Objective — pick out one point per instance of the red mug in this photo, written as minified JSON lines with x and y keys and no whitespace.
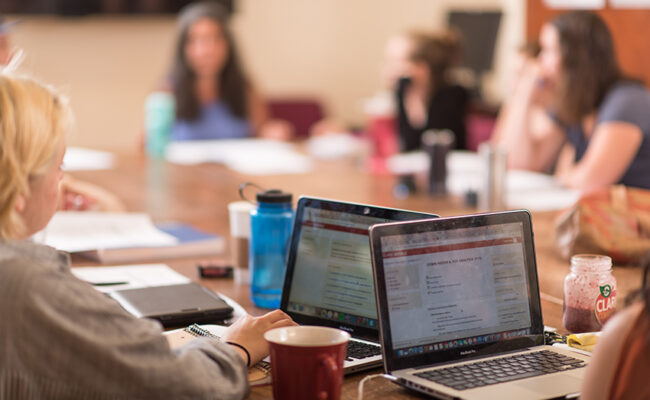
{"x":307,"y":362}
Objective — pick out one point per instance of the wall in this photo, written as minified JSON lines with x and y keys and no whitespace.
{"x":330,"y":49}
{"x":105,"y":65}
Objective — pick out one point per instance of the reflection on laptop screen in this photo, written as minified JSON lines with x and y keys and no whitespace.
{"x":456,"y":288}
{"x":332,"y":278}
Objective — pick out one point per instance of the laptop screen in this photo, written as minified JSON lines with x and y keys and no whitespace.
{"x":329,"y":273}
{"x":332,"y":278}
{"x":462,"y":285}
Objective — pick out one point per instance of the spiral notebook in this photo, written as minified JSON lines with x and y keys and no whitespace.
{"x":258,"y":374}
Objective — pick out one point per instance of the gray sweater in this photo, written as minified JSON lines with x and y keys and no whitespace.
{"x":62,"y":339}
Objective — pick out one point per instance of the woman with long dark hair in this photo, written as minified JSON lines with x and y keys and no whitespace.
{"x":603,"y":116}
{"x":214,"y":97}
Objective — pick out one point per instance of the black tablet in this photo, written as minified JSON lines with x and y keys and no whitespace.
{"x":175,"y":305}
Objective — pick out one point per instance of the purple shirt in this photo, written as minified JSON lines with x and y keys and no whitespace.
{"x":627,"y":102}
{"x":216,"y":121}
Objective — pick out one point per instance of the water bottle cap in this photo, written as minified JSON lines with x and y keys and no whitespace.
{"x":274,"y":196}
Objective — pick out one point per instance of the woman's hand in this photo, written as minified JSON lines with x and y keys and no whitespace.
{"x":530,"y":84}
{"x":249,"y":331}
{"x":529,"y":135}
{"x":277,"y":129}
{"x":76,"y":195}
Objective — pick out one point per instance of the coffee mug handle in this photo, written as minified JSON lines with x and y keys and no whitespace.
{"x":327,"y":374}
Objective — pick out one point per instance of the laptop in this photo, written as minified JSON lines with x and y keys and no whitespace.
{"x":459,"y":310}
{"x":328,"y":281}
{"x":174,"y":305}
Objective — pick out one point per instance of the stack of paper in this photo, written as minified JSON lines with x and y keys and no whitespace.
{"x":465,"y":171}
{"x":78,"y":158}
{"x":108,"y":279}
{"x":126,"y":237}
{"x":81,"y":231}
{"x":335,"y":146}
{"x":246,"y":156}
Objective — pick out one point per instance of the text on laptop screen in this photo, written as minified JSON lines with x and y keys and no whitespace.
{"x":455,"y":288}
{"x":332,"y":276}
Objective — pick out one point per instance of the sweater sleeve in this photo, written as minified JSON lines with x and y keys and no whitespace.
{"x":75,"y":342}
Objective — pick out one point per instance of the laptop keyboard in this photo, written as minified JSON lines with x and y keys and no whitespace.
{"x":490,"y":372}
{"x":359,"y":350}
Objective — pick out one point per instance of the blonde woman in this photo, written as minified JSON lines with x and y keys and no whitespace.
{"x":59,"y":337}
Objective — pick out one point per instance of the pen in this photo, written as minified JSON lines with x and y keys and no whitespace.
{"x":108,"y":283}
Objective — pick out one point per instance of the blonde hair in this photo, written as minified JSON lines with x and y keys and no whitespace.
{"x":34,"y":120}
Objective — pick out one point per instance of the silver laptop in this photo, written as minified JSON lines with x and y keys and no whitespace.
{"x":329,"y":274}
{"x":459,"y":310}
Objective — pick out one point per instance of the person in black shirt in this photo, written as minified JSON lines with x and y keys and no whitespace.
{"x":426,"y":97}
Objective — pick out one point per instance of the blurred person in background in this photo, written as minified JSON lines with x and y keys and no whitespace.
{"x":419,"y":94}
{"x":600,"y":115}
{"x":214,"y":97}
{"x":60,"y":337}
{"x":538,"y":119}
{"x":427,"y":97}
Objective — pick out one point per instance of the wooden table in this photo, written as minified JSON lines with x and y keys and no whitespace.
{"x":198,"y":195}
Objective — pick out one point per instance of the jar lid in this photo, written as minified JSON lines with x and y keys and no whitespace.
{"x":274,"y":196}
{"x":591,"y":262}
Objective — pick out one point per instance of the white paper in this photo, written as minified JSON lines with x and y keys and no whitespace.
{"x":543,"y":199}
{"x":537,"y":192}
{"x":379,"y":105}
{"x":575,"y":4}
{"x":136,"y":276}
{"x":78,"y":158}
{"x":82,"y":231}
{"x":465,"y":172}
{"x":335,"y":145}
{"x":629,"y":3}
{"x":524,"y":189}
{"x":567,"y":347}
{"x":408,"y":163}
{"x":246,"y":156}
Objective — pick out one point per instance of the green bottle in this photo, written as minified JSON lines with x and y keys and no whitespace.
{"x":160,"y":112}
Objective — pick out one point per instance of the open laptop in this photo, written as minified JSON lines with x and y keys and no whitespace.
{"x":459,"y":310}
{"x":329,"y":274}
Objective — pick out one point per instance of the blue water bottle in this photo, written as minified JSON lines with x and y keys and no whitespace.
{"x":271,"y":224}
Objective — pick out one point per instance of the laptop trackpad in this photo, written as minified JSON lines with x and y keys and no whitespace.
{"x":551,"y":385}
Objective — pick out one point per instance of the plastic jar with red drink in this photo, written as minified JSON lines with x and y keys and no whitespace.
{"x":589,"y":293}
